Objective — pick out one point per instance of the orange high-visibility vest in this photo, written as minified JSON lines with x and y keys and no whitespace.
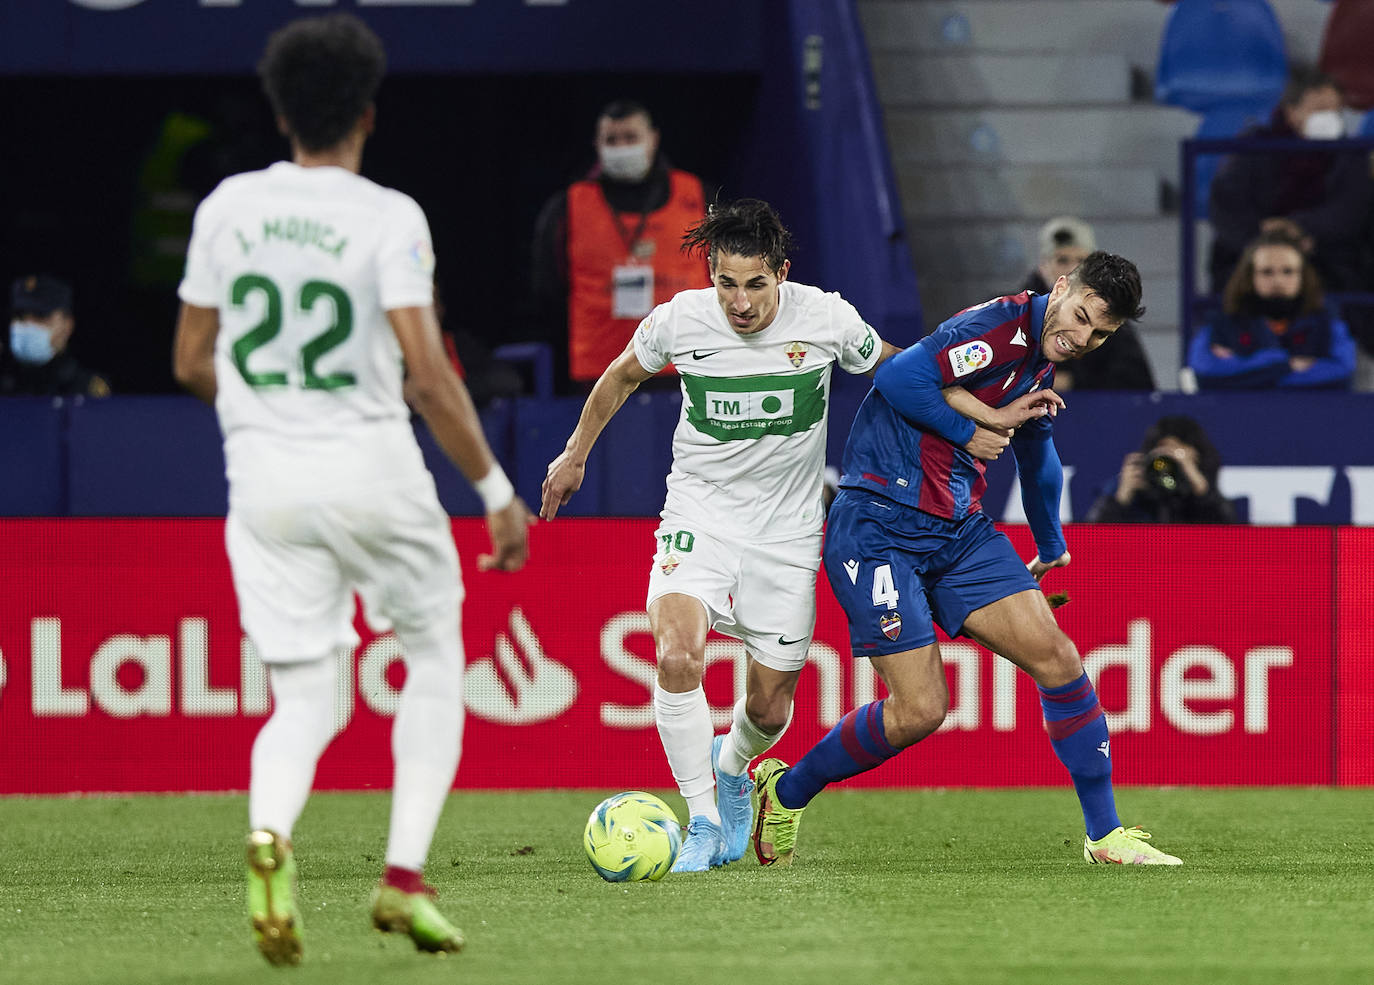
{"x":600,"y":239}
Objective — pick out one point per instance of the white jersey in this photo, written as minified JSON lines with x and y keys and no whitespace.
{"x":749,"y":449}
{"x":302,"y":264}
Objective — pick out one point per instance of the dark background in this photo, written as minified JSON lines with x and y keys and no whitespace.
{"x":480,"y":154}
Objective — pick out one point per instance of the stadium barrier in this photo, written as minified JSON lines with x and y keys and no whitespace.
{"x":1229,"y":655}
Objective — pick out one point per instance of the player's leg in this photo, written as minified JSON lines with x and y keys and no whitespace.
{"x":864,"y":739}
{"x":775,"y":615}
{"x":760,"y":718}
{"x":680,"y":623}
{"x":690,"y":586}
{"x":411,"y":569}
{"x":284,"y":756}
{"x":1022,"y":628}
{"x":292,"y":603}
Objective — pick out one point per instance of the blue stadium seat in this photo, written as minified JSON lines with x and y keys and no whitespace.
{"x":1221,"y":53}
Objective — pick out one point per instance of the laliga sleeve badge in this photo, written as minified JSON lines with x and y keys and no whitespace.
{"x":891,"y":625}
{"x":669,"y":563}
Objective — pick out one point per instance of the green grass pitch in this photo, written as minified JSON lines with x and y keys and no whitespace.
{"x":916,"y":886}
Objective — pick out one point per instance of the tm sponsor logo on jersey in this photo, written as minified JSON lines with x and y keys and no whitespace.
{"x":969,"y":358}
{"x":743,"y":408}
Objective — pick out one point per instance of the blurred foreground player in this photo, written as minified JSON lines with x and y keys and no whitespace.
{"x":907,"y":543}
{"x":306,"y":286}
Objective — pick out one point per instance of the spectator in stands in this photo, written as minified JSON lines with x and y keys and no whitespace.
{"x":1172,"y":478}
{"x":606,"y":249}
{"x":1275,"y":328}
{"x":1322,"y":199}
{"x":36,"y":362}
{"x":1064,"y":242}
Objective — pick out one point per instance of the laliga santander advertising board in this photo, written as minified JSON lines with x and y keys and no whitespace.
{"x":1222,"y":656}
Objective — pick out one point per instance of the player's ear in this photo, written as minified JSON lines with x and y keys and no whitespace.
{"x":782,"y":271}
{"x":369,"y":119}
{"x":1061,"y":286}
{"x":283,"y":127}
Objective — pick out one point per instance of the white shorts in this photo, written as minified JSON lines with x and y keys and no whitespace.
{"x":761,"y":594}
{"x":297,"y":566}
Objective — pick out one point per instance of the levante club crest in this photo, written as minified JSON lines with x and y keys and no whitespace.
{"x":891,"y":625}
{"x":796,"y":351}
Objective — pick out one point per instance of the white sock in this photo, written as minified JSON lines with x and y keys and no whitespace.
{"x":745,"y":740}
{"x":291,"y":742}
{"x":426,"y":740}
{"x":684,"y":727}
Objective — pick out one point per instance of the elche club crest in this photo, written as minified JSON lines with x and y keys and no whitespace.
{"x":669,"y":563}
{"x":891,"y":625}
{"x":796,"y":352}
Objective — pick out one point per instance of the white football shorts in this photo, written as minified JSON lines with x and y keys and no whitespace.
{"x":297,"y":566}
{"x":761,"y":594}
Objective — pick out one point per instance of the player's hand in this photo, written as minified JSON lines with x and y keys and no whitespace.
{"x":1029,"y":406}
{"x":1039,"y":568}
{"x":509,"y":531}
{"x":564,"y":477}
{"x":987,"y":444}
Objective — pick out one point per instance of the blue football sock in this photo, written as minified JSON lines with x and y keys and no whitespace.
{"x":855,"y":745}
{"x":1078,"y":733}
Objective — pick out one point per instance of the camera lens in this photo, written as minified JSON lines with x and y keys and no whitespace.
{"x":1163,"y":473}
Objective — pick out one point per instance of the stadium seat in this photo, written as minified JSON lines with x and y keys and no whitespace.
{"x":1217,"y":54}
{"x":1345,"y":54}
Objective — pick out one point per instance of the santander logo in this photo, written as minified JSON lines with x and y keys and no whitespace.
{"x":511,"y":691}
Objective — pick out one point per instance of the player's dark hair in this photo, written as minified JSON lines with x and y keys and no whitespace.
{"x":1115,"y":280}
{"x":321,"y":74}
{"x":747,"y":227}
{"x":1187,"y":430}
{"x":619,"y":109}
{"x":1239,"y":295}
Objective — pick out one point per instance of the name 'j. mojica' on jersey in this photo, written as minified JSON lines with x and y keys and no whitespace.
{"x":299,"y":231}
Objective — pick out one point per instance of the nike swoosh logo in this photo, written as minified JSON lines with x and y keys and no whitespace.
{"x":790,"y":642}
{"x":703,"y":355}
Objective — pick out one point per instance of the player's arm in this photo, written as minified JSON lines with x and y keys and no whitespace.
{"x":193,"y":350}
{"x":440,"y":397}
{"x":566,"y":472}
{"x":912,"y":383}
{"x":1042,"y":483}
{"x":889,"y":350}
{"x":1027,"y":407}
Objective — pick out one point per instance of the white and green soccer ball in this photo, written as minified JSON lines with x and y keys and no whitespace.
{"x":632,"y":836}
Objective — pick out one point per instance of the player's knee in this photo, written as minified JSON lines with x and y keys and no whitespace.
{"x":911,"y":720}
{"x":1058,"y":661}
{"x":680,"y":668}
{"x":769,"y":714}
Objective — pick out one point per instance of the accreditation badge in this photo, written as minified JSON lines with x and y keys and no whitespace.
{"x":632,"y":290}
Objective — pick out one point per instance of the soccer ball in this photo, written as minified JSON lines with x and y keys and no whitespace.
{"x":632,"y":836}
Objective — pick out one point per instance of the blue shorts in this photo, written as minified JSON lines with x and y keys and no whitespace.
{"x":895,"y":569}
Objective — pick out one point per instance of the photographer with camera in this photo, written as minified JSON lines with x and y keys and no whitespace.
{"x":1171,"y":479}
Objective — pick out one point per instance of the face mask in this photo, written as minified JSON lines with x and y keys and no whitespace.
{"x":31,"y":343}
{"x":1278,"y":308}
{"x":1327,"y":124}
{"x":629,"y":162}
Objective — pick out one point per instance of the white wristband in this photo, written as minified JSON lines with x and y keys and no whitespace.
{"x":495,"y":489}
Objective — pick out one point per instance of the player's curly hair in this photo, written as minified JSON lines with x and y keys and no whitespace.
{"x":320,"y":74}
{"x":1115,"y":280}
{"x":746,"y":227}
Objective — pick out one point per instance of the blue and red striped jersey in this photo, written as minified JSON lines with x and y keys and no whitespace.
{"x":906,"y":443}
